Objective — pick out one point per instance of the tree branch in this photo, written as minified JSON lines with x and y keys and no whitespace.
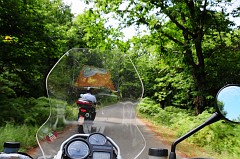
{"x":173,"y":19}
{"x":172,"y":38}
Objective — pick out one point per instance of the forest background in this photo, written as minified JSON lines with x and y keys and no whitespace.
{"x":190,"y":50}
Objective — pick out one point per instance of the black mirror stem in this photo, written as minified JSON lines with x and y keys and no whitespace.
{"x":214,"y":118}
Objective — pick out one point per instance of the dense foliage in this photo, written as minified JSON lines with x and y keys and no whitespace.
{"x":190,"y":51}
{"x":220,"y":137}
{"x":188,"y":36}
{"x":29,"y":115}
{"x":33,"y":35}
{"x":23,"y":134}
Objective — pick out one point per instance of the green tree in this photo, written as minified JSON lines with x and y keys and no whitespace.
{"x":164,"y":75}
{"x":190,"y":25}
{"x":89,"y":31}
{"x":32,"y":37}
{"x":36,"y":33}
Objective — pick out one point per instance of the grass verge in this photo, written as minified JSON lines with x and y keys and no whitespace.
{"x":15,"y":133}
{"x":185,"y":148}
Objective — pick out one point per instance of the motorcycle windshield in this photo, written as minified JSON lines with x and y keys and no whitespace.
{"x":117,"y":87}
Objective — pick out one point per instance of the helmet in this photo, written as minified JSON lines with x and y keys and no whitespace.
{"x":89,"y":89}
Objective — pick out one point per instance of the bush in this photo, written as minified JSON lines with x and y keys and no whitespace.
{"x":31,"y":111}
{"x":37,"y":112}
{"x":220,"y":137}
{"x":18,"y":133}
{"x":28,"y":115}
{"x":107,"y":99}
{"x":28,"y":111}
{"x":147,"y":106}
{"x":183,"y":122}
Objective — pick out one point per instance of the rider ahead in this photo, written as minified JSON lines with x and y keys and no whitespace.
{"x":89,"y":96}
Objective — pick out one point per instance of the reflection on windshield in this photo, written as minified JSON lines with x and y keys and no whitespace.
{"x":228,"y":102}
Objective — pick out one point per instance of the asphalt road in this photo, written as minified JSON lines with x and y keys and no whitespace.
{"x":139,"y":134}
{"x":120,"y":123}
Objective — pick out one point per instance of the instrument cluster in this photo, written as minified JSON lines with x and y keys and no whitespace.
{"x":95,"y":146}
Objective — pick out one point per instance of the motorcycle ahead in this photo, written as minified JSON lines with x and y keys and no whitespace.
{"x":87,"y":112}
{"x":115,"y":132}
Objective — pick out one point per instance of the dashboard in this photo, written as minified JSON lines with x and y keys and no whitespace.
{"x":92,"y":146}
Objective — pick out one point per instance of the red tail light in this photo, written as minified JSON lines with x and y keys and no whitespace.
{"x":83,"y":110}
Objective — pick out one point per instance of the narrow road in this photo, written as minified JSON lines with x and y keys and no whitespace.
{"x":139,"y":133}
{"x":119,"y":122}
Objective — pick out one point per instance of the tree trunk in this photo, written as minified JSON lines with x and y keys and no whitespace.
{"x":162,"y":104}
{"x":199,"y":75}
{"x":200,"y":100}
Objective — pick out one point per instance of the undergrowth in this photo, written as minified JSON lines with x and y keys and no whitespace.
{"x":18,"y":133}
{"x":221,"y":137}
{"x":21,"y":124}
